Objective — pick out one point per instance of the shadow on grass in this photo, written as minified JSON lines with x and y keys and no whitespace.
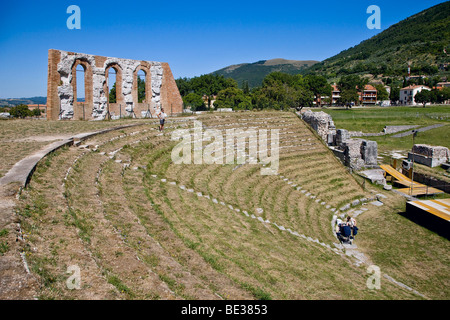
{"x":427,"y":220}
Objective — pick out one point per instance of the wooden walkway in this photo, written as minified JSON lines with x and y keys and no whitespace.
{"x":413,"y":188}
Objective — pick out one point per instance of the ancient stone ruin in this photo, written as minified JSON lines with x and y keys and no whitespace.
{"x":160,"y":87}
{"x":353,"y":153}
{"x":431,"y":156}
{"x":322,"y":123}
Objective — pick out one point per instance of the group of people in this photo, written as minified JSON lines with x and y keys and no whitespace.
{"x":346,"y":230}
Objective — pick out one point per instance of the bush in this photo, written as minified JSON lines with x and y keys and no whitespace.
{"x":194,"y":101}
{"x":36,"y":113}
{"x":20,"y":111}
{"x":233,"y":98}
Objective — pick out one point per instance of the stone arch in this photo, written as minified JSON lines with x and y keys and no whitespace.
{"x":83,"y":111}
{"x":117,"y":108}
{"x":161,"y":86}
{"x":142,"y":107}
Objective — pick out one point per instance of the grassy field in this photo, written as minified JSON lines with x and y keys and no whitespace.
{"x":373,"y":120}
{"x":141,"y":227}
{"x":20,"y":138}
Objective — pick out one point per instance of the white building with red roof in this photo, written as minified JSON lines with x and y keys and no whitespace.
{"x":408,"y":93}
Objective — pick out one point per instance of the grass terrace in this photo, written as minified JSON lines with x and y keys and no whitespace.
{"x":141,"y":227}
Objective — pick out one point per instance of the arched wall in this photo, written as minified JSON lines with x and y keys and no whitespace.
{"x":142,"y":107}
{"x":161,"y":89}
{"x":82,"y":111}
{"x":114,"y":108}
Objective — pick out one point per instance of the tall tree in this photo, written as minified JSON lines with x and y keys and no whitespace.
{"x":382,"y":93}
{"x":348,"y":96}
{"x":233,"y":98}
{"x":319,"y":86}
{"x":20,"y":111}
{"x":141,"y":89}
{"x":245,"y":87}
{"x":207,"y":85}
{"x":112,"y":94}
{"x":347,"y":85}
{"x":282,"y":91}
{"x":395,"y":94}
{"x":423,"y":97}
{"x":194,"y":101}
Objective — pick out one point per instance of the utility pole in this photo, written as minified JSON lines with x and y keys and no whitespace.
{"x":412,"y":173}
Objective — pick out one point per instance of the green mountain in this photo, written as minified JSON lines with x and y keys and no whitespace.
{"x":422,"y":40}
{"x":254,"y":73}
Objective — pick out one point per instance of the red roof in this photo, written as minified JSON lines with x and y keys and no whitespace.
{"x":369,"y":87}
{"x":415,"y":87}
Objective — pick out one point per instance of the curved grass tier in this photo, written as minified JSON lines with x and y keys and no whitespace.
{"x":139,"y":226}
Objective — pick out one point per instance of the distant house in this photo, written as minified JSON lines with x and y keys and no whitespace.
{"x":443,"y":85}
{"x":416,"y":77}
{"x":440,"y":86}
{"x":335,"y":95}
{"x":41,"y":107}
{"x":206,"y":97}
{"x":369,"y":95}
{"x":407,"y":94}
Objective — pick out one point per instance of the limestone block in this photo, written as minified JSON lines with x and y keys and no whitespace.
{"x":342,"y":136}
{"x":431,"y":156}
{"x":65,"y":93}
{"x":369,"y":152}
{"x":156,"y":90}
{"x":352,"y":154}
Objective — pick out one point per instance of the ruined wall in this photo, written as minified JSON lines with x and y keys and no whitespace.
{"x":161,"y":89}
{"x":353,"y":153}
{"x":321,"y":122}
{"x":431,"y":156}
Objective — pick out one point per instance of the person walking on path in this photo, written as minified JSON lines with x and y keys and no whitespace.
{"x":162,"y":118}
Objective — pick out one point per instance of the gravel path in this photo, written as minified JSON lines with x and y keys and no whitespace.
{"x":408,"y":133}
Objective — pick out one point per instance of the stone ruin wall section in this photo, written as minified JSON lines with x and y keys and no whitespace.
{"x":161,"y":89}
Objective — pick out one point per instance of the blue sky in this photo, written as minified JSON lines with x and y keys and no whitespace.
{"x":194,"y":37}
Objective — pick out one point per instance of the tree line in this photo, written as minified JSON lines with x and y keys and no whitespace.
{"x":432,"y":96}
{"x":279,"y":91}
{"x":21,"y":111}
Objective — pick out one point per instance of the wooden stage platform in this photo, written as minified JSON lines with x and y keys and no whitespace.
{"x":439,"y":208}
{"x":412,"y":188}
